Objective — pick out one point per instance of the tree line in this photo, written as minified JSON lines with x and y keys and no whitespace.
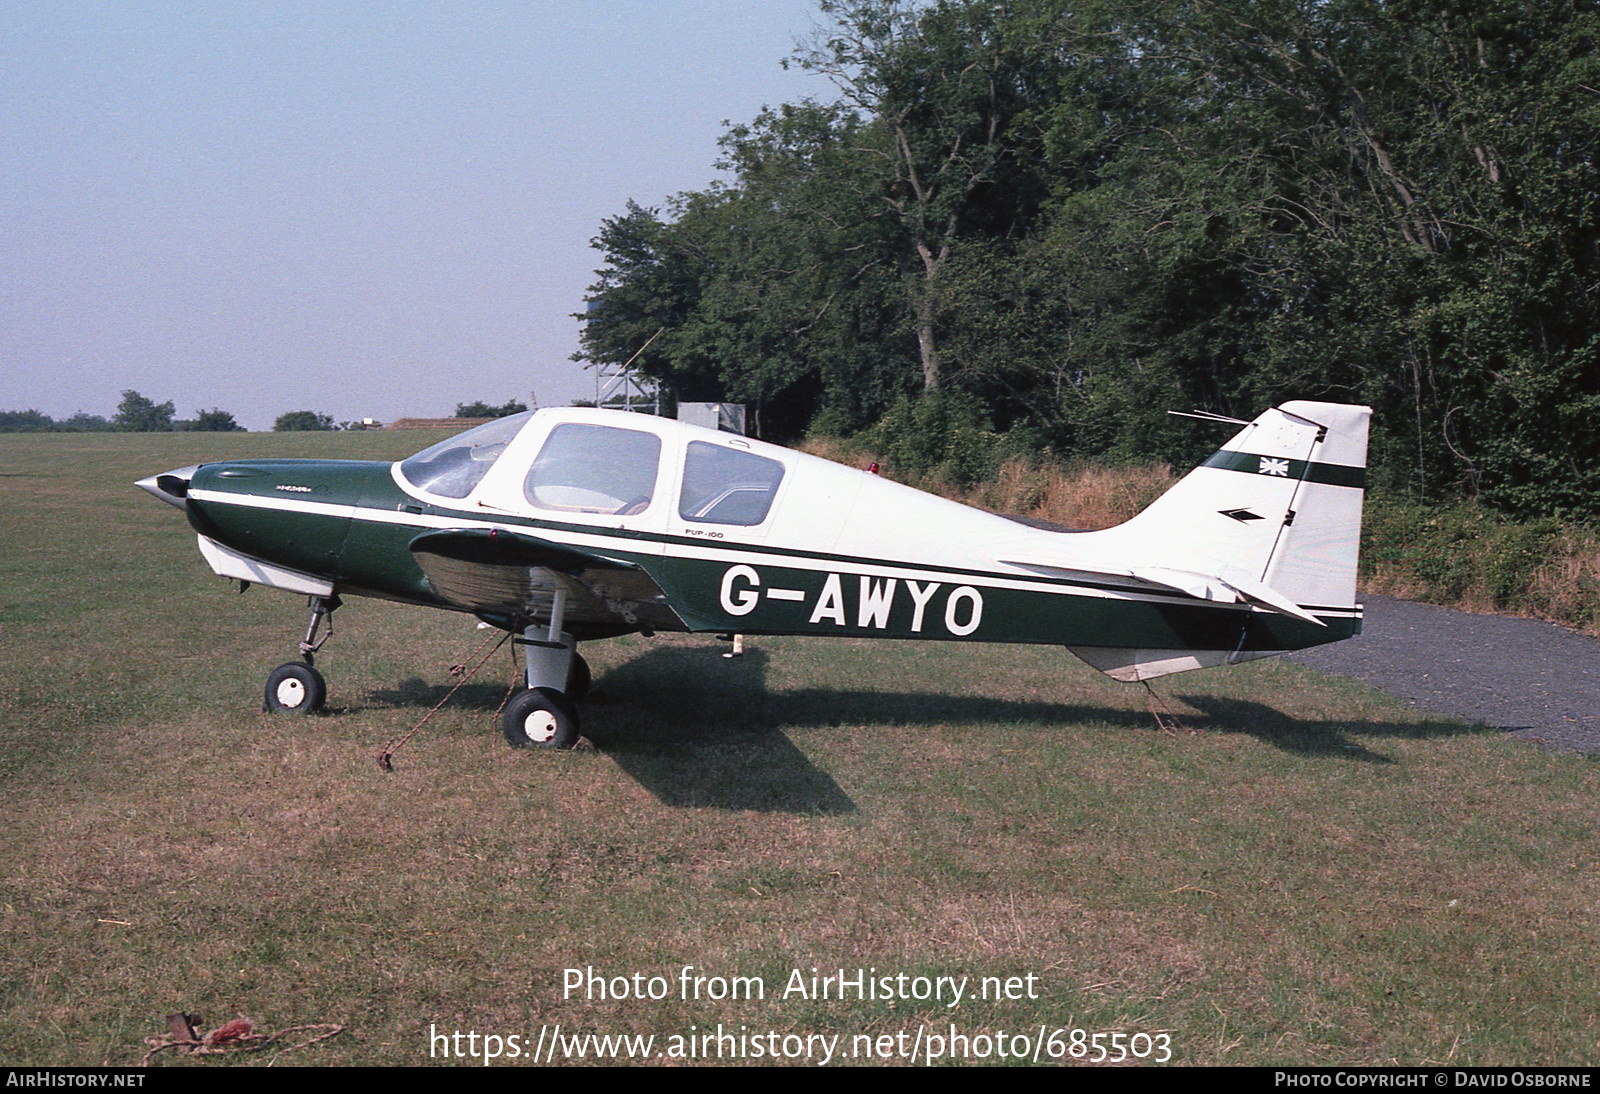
{"x":137,"y":413}
{"x":1040,"y":225}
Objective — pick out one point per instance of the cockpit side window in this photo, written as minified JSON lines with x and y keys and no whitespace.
{"x":595,"y":469}
{"x":454,"y":466}
{"x":727,"y":486}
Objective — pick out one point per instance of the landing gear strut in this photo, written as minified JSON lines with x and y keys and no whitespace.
{"x":544,"y":716}
{"x":322,"y":609}
{"x":296,"y":687}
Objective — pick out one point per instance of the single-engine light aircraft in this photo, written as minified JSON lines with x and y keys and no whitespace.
{"x":564,"y":526}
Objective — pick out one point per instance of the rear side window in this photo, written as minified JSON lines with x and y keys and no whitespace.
{"x":727,"y":486}
{"x":595,"y":469}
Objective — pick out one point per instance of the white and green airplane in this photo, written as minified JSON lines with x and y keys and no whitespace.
{"x":564,"y":526}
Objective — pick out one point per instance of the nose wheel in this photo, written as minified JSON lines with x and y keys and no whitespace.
{"x":296,"y":687}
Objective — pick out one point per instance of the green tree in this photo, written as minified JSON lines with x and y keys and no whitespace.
{"x":649,"y":285}
{"x":952,"y":89}
{"x":214,"y":421}
{"x":82,"y":422}
{"x":771,"y":289}
{"x":1393,"y":203}
{"x":137,"y":414}
{"x":812,"y":280}
{"x":1073,"y":221}
{"x":25,"y":421}
{"x":302,"y":421}
{"x":484,"y":410}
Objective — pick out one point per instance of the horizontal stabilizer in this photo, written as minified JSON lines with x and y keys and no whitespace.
{"x":1200,"y":586}
{"x":1133,"y":665}
{"x":1236,"y":590}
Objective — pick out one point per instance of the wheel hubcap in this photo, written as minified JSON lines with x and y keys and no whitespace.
{"x":291,"y":693}
{"x":540,"y":726}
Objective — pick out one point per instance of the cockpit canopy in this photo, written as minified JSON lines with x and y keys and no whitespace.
{"x":606,"y":467}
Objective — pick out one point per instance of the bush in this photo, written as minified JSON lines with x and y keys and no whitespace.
{"x":1462,"y":555}
{"x":936,"y":436}
{"x":25,"y":421}
{"x":302,"y":421}
{"x":484,"y":410}
{"x":214,"y":421}
{"x":137,"y":414}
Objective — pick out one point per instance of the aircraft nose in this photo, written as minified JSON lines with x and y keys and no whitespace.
{"x":171,"y":487}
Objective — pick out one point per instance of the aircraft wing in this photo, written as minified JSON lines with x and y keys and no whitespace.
{"x":514,"y":576}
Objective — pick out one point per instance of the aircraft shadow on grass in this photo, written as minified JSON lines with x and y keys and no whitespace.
{"x":1313,"y":737}
{"x":696,"y":729}
{"x":689,"y":726}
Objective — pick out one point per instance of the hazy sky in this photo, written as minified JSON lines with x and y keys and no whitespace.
{"x":366,"y":208}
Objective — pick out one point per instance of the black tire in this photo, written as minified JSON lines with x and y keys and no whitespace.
{"x":295,"y":688}
{"x":578,"y":679}
{"x":540,"y":718}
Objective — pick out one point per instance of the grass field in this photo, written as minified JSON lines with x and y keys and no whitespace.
{"x":1318,"y":876}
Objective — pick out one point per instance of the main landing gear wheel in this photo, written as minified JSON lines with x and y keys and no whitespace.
{"x":540,"y":718}
{"x":295,"y":688}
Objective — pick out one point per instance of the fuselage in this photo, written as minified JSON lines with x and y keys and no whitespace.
{"x":672,"y":527}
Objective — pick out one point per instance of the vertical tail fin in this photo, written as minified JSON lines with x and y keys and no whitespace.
{"x":1279,"y":504}
{"x":1272,"y":518}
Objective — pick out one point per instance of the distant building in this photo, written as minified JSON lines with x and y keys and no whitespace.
{"x":439,"y":423}
{"x":728,"y":417}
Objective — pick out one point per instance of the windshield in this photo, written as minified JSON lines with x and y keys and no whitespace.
{"x":455,"y":465}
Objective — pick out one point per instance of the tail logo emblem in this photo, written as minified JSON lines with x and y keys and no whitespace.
{"x":1273,"y":467}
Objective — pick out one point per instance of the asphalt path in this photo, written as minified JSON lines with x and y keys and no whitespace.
{"x":1534,"y":680}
